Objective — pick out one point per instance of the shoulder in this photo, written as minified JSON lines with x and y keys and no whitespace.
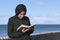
{"x":11,"y":18}
{"x":26,"y":17}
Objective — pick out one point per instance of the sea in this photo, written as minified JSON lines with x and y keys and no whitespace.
{"x":38,"y":28}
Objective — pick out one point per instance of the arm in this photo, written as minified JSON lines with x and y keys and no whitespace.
{"x":31,"y":29}
{"x":11,"y":32}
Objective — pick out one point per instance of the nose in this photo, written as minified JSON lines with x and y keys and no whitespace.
{"x":22,"y":15}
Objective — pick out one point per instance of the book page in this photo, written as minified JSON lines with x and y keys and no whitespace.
{"x":24,"y":26}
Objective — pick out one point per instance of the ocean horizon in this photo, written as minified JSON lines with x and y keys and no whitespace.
{"x":38,"y":29}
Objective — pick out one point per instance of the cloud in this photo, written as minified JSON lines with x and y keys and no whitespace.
{"x":37,"y":20}
{"x":45,"y":20}
{"x":42,"y":2}
{"x":3,"y":20}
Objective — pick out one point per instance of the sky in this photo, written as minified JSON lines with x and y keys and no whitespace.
{"x":39,"y":11}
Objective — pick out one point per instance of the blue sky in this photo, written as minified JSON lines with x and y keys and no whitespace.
{"x":39,"y":11}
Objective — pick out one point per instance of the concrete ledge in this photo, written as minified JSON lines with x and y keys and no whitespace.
{"x":48,"y":36}
{"x":45,"y":36}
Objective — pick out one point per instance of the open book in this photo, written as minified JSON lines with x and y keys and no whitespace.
{"x":24,"y":26}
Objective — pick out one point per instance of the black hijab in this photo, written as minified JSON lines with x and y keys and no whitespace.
{"x":19,"y":8}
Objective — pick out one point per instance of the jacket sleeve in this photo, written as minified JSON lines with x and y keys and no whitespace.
{"x":11,"y":32}
{"x":30,"y":31}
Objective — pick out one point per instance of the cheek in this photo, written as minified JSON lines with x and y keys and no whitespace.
{"x":20,"y":16}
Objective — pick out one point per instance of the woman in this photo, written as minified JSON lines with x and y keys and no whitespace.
{"x":17,"y":20}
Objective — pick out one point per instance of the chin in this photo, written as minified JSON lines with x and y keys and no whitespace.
{"x":21,"y":18}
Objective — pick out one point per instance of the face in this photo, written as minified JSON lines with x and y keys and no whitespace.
{"x":21,"y":15}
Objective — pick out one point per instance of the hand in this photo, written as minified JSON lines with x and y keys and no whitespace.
{"x":32,"y":28}
{"x":25,"y":30}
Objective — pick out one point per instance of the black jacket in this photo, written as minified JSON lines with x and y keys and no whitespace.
{"x":13,"y":23}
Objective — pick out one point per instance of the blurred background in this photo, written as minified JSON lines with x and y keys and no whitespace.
{"x":45,"y":14}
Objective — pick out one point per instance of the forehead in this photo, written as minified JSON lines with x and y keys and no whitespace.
{"x":22,"y":12}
